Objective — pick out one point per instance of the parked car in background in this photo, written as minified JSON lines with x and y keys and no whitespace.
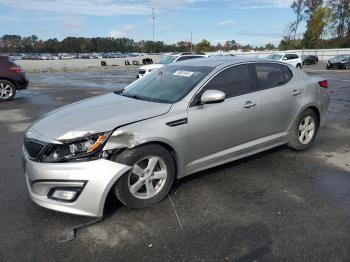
{"x":167,"y":59}
{"x":292,"y":59}
{"x":12,"y":78}
{"x":309,"y":59}
{"x":339,"y":61}
{"x":186,"y":117}
{"x":222,"y":54}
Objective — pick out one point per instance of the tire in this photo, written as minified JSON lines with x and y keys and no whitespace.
{"x":299,"y":66}
{"x":141,"y":157}
{"x":297,"y":140}
{"x":347,"y":66}
{"x":7,"y":90}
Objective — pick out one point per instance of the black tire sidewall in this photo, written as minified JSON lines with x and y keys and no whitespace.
{"x":130,"y":157}
{"x":6,"y":82}
{"x":293,"y":135}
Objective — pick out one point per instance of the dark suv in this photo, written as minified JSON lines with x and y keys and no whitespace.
{"x":12,"y":78}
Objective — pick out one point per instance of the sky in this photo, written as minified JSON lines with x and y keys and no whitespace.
{"x":255,"y":22}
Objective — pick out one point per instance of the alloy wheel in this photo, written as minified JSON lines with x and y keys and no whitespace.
{"x":306,"y":130}
{"x":147,"y":177}
{"x":5,"y":91}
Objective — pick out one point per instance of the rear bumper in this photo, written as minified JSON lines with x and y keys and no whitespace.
{"x":94,"y":179}
{"x":21,"y":82}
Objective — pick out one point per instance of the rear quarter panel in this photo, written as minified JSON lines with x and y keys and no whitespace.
{"x":316,"y":96}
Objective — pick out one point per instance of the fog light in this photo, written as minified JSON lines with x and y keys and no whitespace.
{"x":64,"y":194}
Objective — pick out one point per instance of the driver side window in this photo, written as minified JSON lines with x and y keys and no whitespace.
{"x":233,"y":81}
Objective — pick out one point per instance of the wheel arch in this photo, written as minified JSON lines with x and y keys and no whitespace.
{"x":169,"y":148}
{"x":11,"y":81}
{"x":317,"y":112}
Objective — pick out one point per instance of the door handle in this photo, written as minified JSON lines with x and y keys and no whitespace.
{"x":296,"y":92}
{"x":249,"y":104}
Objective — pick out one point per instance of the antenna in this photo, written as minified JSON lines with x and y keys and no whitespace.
{"x":153,"y":21}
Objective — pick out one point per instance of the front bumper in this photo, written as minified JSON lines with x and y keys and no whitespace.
{"x":336,"y":65}
{"x":94,"y":178}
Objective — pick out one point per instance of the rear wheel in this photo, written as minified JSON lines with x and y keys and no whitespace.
{"x":304,"y":130}
{"x":149,"y":180}
{"x":7,"y":90}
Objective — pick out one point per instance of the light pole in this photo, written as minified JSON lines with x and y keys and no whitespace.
{"x":191,"y":41}
{"x":153,"y":21}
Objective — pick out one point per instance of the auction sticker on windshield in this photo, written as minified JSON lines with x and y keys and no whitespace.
{"x":183,"y":73}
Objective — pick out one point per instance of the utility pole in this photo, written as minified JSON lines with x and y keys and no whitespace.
{"x":191,"y":41}
{"x":153,"y":21}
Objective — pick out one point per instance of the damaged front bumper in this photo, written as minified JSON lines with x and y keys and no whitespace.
{"x":85,"y":183}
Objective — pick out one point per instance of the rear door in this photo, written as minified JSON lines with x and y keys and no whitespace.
{"x":280,"y":97}
{"x":216,"y":128}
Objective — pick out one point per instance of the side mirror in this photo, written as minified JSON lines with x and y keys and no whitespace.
{"x":212,"y":97}
{"x":284,"y":58}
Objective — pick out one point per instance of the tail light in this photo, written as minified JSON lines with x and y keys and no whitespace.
{"x":16,"y":69}
{"x":323,"y":83}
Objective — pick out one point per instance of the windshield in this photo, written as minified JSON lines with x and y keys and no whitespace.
{"x":166,"y":60}
{"x":168,"y":84}
{"x":275,"y":57}
{"x":340,"y":57}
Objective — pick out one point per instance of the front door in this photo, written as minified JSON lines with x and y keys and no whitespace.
{"x":215,"y":129}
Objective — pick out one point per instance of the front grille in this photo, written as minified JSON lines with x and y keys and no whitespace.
{"x":142,"y":72}
{"x":33,"y":148}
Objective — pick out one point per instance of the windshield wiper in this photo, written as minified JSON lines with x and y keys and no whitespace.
{"x":127,"y":95}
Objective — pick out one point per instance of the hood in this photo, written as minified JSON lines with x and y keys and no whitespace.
{"x":151,"y":66}
{"x":337,"y":59}
{"x":98,"y":114}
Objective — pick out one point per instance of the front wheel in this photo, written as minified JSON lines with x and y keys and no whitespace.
{"x":149,"y":180}
{"x":304,"y":130}
{"x":299,"y":66}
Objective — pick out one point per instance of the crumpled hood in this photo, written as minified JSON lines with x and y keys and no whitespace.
{"x":98,"y":114}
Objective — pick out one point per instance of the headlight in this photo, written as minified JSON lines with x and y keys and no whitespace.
{"x":344,"y":61}
{"x":88,"y":148}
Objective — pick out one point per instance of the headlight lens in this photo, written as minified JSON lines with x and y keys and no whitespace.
{"x":344,"y":61}
{"x":83,"y":149}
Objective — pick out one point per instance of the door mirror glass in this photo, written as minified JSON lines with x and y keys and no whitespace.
{"x":212,"y":96}
{"x":285,"y":58}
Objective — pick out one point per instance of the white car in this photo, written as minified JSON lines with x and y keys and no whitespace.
{"x":292,"y":59}
{"x":167,"y":59}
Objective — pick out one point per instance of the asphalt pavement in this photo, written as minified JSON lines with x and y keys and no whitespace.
{"x":279,"y":205}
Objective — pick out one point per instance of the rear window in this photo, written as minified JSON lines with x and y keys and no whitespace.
{"x":270,"y":75}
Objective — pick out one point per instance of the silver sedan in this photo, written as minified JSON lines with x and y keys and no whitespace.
{"x":177,"y":120}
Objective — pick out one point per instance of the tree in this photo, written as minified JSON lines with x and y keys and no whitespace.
{"x":316,"y":28}
{"x":311,"y":6}
{"x":270,"y":46}
{"x":298,"y":8}
{"x":203,"y":46}
{"x":341,"y":16}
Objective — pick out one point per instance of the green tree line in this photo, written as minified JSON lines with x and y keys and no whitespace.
{"x":327,"y":25}
{"x":32,"y":44}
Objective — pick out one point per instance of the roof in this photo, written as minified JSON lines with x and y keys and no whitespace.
{"x":217,"y":61}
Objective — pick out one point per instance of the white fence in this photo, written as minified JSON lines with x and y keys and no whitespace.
{"x":323,"y":54}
